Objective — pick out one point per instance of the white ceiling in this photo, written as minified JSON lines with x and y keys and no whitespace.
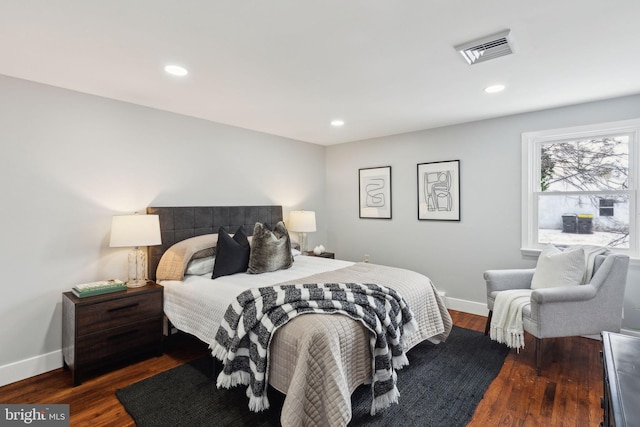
{"x":288,"y":67}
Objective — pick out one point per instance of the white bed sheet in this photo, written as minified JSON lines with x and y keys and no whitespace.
{"x":197,"y":304}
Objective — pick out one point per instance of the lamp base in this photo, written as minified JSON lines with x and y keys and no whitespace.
{"x":137,"y":276}
{"x":303,"y":241}
{"x":136,"y":283}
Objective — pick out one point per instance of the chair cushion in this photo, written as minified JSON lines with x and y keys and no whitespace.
{"x":559,"y":268}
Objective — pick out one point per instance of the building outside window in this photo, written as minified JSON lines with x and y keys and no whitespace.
{"x":606,"y":207}
{"x":579,"y":186}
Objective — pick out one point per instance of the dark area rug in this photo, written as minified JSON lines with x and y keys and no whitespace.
{"x":441,"y":387}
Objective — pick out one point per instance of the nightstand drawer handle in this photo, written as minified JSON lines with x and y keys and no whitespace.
{"x":124,"y":334}
{"x":124,"y":307}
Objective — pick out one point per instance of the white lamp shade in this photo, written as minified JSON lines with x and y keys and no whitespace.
{"x":302,"y":221}
{"x":135,"y":230}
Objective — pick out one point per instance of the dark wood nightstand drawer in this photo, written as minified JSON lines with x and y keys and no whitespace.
{"x":115,"y":327}
{"x":121,"y":341}
{"x":117,"y":312}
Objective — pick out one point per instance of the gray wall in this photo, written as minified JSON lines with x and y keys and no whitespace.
{"x":455,"y":254}
{"x":69,"y":161}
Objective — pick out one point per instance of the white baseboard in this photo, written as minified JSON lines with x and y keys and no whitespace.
{"x":48,"y":362}
{"x":467,"y":306}
{"x":30,"y":367}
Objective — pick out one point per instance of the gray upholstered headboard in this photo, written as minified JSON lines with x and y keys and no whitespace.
{"x":179,"y":223}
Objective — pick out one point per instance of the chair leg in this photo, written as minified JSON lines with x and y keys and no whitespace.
{"x":488,"y":325}
{"x":538,"y":355}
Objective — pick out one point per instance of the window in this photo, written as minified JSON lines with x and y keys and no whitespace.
{"x":606,"y":207}
{"x":579,"y":186}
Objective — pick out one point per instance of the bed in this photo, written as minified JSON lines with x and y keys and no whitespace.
{"x":316,"y":360}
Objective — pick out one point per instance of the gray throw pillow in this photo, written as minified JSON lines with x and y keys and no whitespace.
{"x":270,"y":250}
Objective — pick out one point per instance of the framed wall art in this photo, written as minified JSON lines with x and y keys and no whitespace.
{"x":375,"y":192}
{"x":439,"y":191}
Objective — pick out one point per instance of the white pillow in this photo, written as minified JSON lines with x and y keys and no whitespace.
{"x":559,"y":268}
{"x":201,"y":266}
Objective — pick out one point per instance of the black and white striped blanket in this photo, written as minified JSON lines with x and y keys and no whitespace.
{"x":242,"y":341}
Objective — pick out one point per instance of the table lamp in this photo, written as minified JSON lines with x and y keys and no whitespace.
{"x":302,"y":222}
{"x":135,"y":231}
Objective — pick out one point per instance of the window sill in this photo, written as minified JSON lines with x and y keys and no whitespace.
{"x":535,"y":252}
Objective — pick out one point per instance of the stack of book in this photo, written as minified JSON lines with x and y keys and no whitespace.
{"x":98,"y":288}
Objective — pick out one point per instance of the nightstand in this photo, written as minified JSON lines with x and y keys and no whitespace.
{"x":322,"y":255}
{"x":105,"y":329}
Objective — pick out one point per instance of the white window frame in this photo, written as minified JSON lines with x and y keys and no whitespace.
{"x":531,"y":152}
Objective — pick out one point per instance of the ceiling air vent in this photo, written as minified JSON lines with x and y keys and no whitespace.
{"x":486,"y":48}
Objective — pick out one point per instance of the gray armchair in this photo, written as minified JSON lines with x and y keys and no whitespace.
{"x":567,"y":311}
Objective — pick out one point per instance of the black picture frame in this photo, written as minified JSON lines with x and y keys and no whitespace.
{"x":439,"y":191}
{"x":374,"y":192}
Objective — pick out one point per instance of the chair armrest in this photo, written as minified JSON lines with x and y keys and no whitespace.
{"x":563,"y":294}
{"x":501,"y":280}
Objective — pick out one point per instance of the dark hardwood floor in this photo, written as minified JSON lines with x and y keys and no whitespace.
{"x":566,"y":394}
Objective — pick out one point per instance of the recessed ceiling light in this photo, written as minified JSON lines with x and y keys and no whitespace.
{"x":176,"y":70}
{"x":337,"y":123}
{"x":494,"y":88}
